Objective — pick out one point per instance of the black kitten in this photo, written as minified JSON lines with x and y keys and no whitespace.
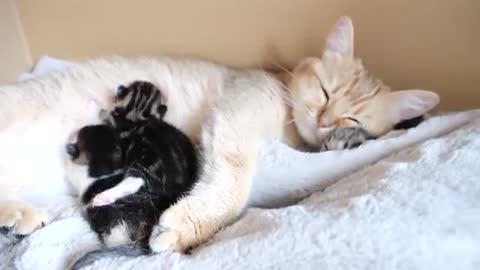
{"x":141,"y":165}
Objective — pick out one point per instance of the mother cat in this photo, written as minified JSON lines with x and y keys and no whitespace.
{"x":228,"y":111}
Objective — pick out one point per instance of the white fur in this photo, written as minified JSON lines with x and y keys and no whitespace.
{"x":118,"y":236}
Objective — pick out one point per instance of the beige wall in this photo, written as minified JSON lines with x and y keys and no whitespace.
{"x":14,"y":55}
{"x":432,"y":44}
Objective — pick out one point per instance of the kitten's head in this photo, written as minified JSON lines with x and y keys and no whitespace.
{"x":98,"y":147}
{"x":336,"y":90}
{"x":139,"y":101}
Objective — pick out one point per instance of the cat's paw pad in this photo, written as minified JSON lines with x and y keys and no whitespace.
{"x":182,"y":227}
{"x":9,"y":217}
{"x":102,"y":199}
{"x":20,"y":219}
{"x":168,"y":234}
{"x":178,"y":230}
{"x":163,"y":239}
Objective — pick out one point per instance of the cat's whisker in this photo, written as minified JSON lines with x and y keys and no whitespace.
{"x":289,"y":100}
{"x":290,"y":122}
{"x":284,"y":69}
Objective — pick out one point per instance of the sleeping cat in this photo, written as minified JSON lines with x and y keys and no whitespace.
{"x":139,"y":164}
{"x":230,"y":112}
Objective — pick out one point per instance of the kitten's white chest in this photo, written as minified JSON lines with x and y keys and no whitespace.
{"x":32,"y":160}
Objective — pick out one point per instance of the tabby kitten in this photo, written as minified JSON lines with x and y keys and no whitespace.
{"x":140,"y":166}
{"x":139,"y":101}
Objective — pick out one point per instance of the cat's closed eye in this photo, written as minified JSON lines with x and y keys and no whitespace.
{"x":351,"y":119}
{"x":325,"y":93}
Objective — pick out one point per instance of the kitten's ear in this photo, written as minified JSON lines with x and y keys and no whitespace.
{"x":340,"y":40}
{"x":72,"y":150}
{"x":407,"y":104}
{"x":162,"y":109}
{"x":121,"y":91}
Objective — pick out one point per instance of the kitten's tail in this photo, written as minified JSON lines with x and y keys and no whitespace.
{"x":130,"y":250}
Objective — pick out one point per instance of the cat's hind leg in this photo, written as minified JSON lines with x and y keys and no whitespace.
{"x":20,"y":218}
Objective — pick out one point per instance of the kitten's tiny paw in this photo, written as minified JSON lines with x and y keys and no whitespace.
{"x":102,"y":199}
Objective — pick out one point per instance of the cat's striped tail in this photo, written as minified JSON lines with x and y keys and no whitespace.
{"x":130,"y":250}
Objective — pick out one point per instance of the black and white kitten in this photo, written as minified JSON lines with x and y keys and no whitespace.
{"x":141,"y":165}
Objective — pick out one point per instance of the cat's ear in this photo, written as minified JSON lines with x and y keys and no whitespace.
{"x":408,"y":104}
{"x":340,"y":40}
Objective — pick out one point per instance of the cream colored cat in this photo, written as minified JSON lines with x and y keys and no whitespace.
{"x":230,"y":112}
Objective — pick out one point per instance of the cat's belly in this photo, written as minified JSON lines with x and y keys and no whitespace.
{"x":32,"y":161}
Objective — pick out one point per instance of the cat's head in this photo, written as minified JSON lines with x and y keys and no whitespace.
{"x":139,"y":101}
{"x":336,"y":90}
{"x":97,"y":147}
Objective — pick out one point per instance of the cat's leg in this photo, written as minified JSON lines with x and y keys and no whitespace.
{"x":229,"y":143}
{"x":230,"y":138}
{"x":20,"y":218}
{"x":128,"y":186}
{"x":216,"y":200}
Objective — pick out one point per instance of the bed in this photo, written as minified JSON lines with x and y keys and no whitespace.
{"x":410,"y":200}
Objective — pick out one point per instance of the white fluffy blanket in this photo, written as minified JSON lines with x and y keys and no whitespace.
{"x":418,"y":208}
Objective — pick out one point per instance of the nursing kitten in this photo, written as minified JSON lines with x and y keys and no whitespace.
{"x":140,"y":166}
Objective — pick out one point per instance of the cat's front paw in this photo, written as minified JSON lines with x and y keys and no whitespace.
{"x":344,"y":138}
{"x":102,"y":199}
{"x":181,"y":228}
{"x":19,"y":218}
